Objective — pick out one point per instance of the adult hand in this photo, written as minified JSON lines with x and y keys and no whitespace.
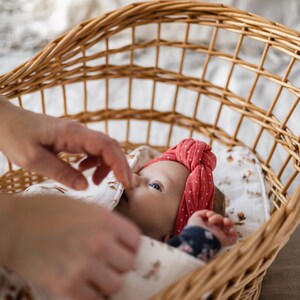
{"x":68,"y":247}
{"x":32,"y":141}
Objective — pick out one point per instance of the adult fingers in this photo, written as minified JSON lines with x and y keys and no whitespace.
{"x":125,"y":232}
{"x":82,"y":291}
{"x":89,"y":162}
{"x":113,"y":157}
{"x":93,"y":161}
{"x":47,"y":163}
{"x":100,"y":173}
{"x":80,"y":139}
{"x":104,"y":278}
{"x":118,"y":257}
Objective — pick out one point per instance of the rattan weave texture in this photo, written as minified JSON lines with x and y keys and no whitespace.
{"x":68,"y":60}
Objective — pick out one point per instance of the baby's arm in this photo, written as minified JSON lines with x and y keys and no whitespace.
{"x":222,"y":228}
{"x":206,"y":233}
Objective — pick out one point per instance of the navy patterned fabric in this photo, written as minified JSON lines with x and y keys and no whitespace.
{"x":197,"y":241}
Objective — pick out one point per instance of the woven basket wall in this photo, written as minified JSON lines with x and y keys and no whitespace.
{"x":86,"y":58}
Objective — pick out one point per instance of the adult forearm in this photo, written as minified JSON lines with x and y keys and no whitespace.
{"x":7,"y":229}
{"x":8,"y":113}
{"x":2,"y":101}
{"x":6,"y":200}
{"x":4,"y":104}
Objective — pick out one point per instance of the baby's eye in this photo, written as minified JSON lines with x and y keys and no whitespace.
{"x":156,"y":186}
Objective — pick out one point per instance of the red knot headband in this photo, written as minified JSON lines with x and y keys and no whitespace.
{"x":199,"y":188}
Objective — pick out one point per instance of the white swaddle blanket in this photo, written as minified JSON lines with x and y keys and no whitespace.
{"x":157,"y":264}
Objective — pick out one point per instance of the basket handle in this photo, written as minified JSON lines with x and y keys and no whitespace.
{"x":295,"y":198}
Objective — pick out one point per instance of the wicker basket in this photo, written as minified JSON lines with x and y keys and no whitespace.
{"x":69,"y":61}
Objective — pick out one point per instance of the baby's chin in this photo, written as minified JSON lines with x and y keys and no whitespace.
{"x":155,"y":236}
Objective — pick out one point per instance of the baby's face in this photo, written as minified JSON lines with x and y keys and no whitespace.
{"x":154,"y":201}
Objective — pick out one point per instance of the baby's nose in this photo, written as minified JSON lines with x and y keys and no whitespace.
{"x":136,"y":180}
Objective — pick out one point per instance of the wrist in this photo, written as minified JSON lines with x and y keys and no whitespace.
{"x":7,"y":112}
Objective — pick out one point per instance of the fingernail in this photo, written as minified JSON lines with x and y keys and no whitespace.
{"x":80,"y":184}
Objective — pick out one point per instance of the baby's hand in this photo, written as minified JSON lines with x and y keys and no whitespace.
{"x":219,"y":226}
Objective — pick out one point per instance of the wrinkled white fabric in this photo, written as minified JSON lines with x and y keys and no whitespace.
{"x":239,"y":176}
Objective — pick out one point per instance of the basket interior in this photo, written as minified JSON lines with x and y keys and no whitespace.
{"x":154,"y":76}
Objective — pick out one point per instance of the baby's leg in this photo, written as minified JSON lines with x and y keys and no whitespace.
{"x":221,"y":227}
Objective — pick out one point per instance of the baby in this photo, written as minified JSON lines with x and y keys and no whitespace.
{"x":173,"y":200}
{"x":175,"y":190}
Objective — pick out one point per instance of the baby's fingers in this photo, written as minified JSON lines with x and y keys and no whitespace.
{"x":202,"y":213}
{"x":232,"y":235}
{"x":210,"y":213}
{"x":227,"y":223}
{"x":216,"y":220}
{"x":230,"y":230}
